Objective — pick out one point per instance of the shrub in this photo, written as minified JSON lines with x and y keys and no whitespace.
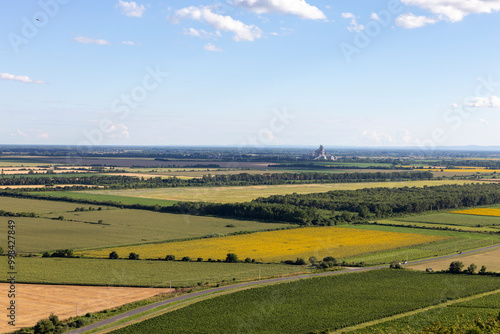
{"x":133,"y":256}
{"x":200,"y":259}
{"x":170,"y":258}
{"x":456,"y":267}
{"x":231,"y":258}
{"x":113,"y":255}
{"x":186,"y":259}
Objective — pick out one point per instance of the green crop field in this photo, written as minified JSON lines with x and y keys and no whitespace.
{"x":82,"y":230}
{"x":22,"y":162}
{"x":440,"y":226}
{"x":453,"y":219}
{"x":142,"y":273}
{"x":39,"y":206}
{"x":317,"y":304}
{"x":247,"y":193}
{"x":104,"y":198}
{"x":469,"y":310}
{"x":459,"y":241}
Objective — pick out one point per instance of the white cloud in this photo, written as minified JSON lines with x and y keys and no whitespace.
{"x":455,"y":10}
{"x":411,"y":21}
{"x":128,"y":43}
{"x":354,"y":27}
{"x":211,"y":47}
{"x":119,"y":130}
{"x":295,"y":7}
{"x":201,"y":33}
{"x":378,"y":137}
{"x":86,"y":40}
{"x":242,"y":32}
{"x":43,"y":136}
{"x":21,"y":133}
{"x":20,"y":78}
{"x":374,"y":16}
{"x":484,"y":102}
{"x":131,"y":8}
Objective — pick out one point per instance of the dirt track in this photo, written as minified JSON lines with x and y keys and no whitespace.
{"x":35,"y":302}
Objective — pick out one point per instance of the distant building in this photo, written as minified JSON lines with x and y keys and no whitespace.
{"x":320,"y":154}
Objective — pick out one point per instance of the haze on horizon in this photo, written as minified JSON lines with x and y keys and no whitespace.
{"x":258,"y":73}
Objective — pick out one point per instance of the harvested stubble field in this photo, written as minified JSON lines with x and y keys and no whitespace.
{"x":317,"y":304}
{"x":248,"y":193}
{"x":124,"y":272}
{"x":36,"y":302}
{"x":275,"y":246}
{"x":490,"y":259}
{"x":82,"y":230}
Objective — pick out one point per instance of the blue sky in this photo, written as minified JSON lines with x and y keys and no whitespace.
{"x":250,"y":72}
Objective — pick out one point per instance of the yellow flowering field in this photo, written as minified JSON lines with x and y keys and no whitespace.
{"x":479,"y":212}
{"x":275,"y":246}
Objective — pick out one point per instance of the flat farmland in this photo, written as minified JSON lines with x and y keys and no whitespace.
{"x":143,"y":273}
{"x":248,"y":193}
{"x":483,"y":307}
{"x":102,"y":197}
{"x":490,"y":259}
{"x":38,"y":206}
{"x":318,"y":303}
{"x":454,"y":219}
{"x":275,"y":246}
{"x":456,"y":241}
{"x":82,"y":230}
{"x":36,"y":302}
{"x":480,"y":212}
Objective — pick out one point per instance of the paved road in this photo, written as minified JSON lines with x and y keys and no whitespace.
{"x":261,"y":282}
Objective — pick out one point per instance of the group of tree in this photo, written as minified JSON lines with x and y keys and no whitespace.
{"x":241,"y":179}
{"x":346,"y":206}
{"x":59,"y":253}
{"x":457,"y":267}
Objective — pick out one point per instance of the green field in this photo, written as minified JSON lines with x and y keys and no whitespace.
{"x":459,"y":241}
{"x":142,"y":273}
{"x":82,"y":230}
{"x":453,"y":219}
{"x":102,"y":197}
{"x":485,"y":229}
{"x":466,"y":311}
{"x":22,"y":162}
{"x":11,"y":204}
{"x":243,"y":194}
{"x":317,"y":304}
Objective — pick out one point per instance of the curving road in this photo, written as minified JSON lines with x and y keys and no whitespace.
{"x":253,"y":283}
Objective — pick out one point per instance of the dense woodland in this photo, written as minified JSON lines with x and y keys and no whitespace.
{"x":347,"y":206}
{"x":242,"y":179}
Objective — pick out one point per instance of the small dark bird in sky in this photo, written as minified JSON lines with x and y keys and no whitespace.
{"x":38,"y":19}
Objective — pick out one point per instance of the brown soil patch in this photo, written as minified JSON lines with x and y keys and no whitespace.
{"x":36,"y":301}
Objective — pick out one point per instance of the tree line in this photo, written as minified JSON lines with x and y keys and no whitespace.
{"x":242,"y":179}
